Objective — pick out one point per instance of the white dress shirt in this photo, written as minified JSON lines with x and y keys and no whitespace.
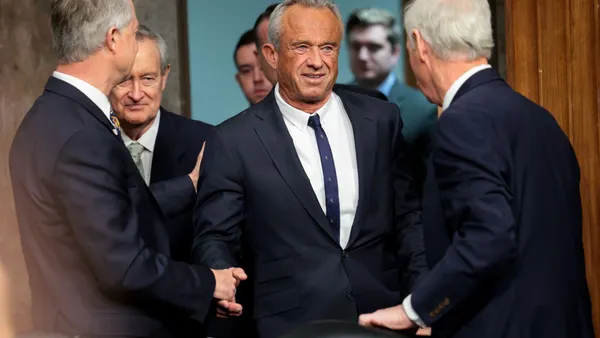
{"x":337,"y":126}
{"x":147,"y":140}
{"x":88,"y":90}
{"x":450,"y":94}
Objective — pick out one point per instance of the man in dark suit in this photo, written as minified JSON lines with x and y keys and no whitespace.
{"x":374,"y":40}
{"x":93,"y":236}
{"x":317,"y":183}
{"x":261,"y":26}
{"x":164,"y":146}
{"x":502,"y":209}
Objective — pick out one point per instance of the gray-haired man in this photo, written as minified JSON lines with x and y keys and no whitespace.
{"x":315,"y":178}
{"x":93,"y":236}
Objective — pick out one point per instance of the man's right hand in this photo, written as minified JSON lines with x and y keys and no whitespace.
{"x":227,"y":282}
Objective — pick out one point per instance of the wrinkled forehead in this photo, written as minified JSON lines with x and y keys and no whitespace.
{"x":311,"y":24}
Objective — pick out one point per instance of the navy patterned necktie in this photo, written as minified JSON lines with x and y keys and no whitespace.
{"x":332,"y":200}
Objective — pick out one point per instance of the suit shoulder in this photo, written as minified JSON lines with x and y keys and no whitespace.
{"x":376,"y":108}
{"x":185,"y":124}
{"x":238,"y":123}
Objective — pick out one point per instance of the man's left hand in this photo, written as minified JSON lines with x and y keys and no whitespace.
{"x":393,"y":318}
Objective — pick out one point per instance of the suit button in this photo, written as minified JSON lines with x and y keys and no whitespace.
{"x":344,"y":254}
{"x":350,"y":295}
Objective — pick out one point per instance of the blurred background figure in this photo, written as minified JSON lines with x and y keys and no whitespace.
{"x":250,"y":76}
{"x":375,"y":45}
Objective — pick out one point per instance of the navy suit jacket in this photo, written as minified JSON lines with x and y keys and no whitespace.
{"x":178,"y":143}
{"x":252,"y":182}
{"x":502,"y":217}
{"x":93,"y":236}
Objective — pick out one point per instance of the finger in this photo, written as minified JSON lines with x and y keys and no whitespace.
{"x":365,"y":320}
{"x":235,"y":308}
{"x":239,"y":274}
{"x":201,"y":155}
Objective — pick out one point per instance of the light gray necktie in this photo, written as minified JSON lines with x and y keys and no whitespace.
{"x":136,"y":150}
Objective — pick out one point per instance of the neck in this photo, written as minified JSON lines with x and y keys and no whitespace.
{"x":135,"y":131}
{"x":305,"y":106}
{"x":372,"y":83}
{"x":449,"y":71}
{"x":93,"y":72}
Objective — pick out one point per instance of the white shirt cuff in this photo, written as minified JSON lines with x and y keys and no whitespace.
{"x":411,"y":313}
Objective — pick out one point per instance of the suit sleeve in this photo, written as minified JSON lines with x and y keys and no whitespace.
{"x":469,"y":172}
{"x":219,"y":210}
{"x":91,"y":186}
{"x":408,"y":226}
{"x":174,"y":195}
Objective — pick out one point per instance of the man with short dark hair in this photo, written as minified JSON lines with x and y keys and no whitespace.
{"x":374,"y":39}
{"x":250,"y":76}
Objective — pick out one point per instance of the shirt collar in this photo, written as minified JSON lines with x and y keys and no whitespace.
{"x":93,"y":93}
{"x":388,"y":83}
{"x":148,"y":139}
{"x":298,"y":117}
{"x":451,"y":93}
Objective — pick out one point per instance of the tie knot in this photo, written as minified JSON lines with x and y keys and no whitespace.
{"x":135,"y":149}
{"x":314,"y":121}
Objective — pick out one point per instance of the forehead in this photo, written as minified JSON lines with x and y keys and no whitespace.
{"x":369,"y":34}
{"x":311,"y":24}
{"x":246,"y":54}
{"x":147,"y":58}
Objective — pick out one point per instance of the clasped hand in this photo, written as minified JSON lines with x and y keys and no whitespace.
{"x":226,"y":285}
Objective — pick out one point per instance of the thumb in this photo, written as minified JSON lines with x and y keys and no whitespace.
{"x":239,"y":274}
{"x":366,"y":320}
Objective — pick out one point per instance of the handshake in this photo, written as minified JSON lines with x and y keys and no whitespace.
{"x":226,"y":284}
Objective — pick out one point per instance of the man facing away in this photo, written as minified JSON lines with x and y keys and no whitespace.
{"x":164,"y":146}
{"x":93,"y":236}
{"x":249,"y":76}
{"x":317,"y":183}
{"x":502,"y":208}
{"x":374,"y":40}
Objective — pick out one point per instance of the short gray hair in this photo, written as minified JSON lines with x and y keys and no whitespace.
{"x":80,"y":26}
{"x":275,"y":21}
{"x":144,"y":32}
{"x":454,"y":29}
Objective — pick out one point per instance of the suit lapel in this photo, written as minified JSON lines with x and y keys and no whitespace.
{"x":67,"y":90}
{"x":168,"y":150}
{"x":364,"y":130}
{"x":276,"y":139}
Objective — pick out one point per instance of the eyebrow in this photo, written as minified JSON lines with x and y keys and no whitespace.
{"x":304,"y":42}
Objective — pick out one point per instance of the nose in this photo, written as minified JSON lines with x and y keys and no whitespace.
{"x":314,"y":59}
{"x":363,"y":53}
{"x":136,"y":92}
{"x":257,"y":75}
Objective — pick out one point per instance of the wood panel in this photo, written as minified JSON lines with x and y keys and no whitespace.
{"x":552,"y":52}
{"x":26,"y":61}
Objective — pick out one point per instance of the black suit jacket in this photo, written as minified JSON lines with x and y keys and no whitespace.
{"x":178,"y":143}
{"x":253,"y":183}
{"x":502,"y":217}
{"x":93,"y":236}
